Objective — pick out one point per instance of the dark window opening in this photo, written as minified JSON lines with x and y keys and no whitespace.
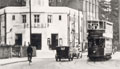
{"x":54,"y":41}
{"x":36,"y":40}
{"x":13,"y":17}
{"x":60,"y":17}
{"x":18,"y":39}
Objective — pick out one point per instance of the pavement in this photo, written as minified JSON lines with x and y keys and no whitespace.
{"x":24,"y":59}
{"x":40,"y":54}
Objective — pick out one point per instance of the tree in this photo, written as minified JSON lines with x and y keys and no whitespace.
{"x":104,"y":10}
{"x":114,"y":18}
{"x":110,"y":11}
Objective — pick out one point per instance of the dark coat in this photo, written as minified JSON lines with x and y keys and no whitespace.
{"x":29,"y":50}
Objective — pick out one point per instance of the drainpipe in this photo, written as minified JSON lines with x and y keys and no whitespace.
{"x":5,"y":18}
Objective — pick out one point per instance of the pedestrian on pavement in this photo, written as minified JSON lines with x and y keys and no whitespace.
{"x":29,"y":53}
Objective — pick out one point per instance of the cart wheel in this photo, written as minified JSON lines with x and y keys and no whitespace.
{"x":56,"y":59}
{"x":59,"y":59}
{"x":78,"y":56}
{"x":69,"y":59}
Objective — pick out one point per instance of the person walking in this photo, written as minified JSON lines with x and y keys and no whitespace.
{"x":29,"y":53}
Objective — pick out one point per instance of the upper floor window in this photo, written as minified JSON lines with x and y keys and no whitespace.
{"x":36,"y":18}
{"x":23,"y":18}
{"x":59,"y":0}
{"x":13,"y":17}
{"x":60,"y":17}
{"x":50,"y":0}
{"x":49,"y":18}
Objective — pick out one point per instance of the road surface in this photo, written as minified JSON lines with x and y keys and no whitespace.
{"x":50,"y":63}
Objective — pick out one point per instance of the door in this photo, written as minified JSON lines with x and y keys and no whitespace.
{"x":36,"y":40}
{"x":18,"y":39}
{"x":54,"y":39}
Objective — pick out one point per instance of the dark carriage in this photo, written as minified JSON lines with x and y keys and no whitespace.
{"x":63,"y":52}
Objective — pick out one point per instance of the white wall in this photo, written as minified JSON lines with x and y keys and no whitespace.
{"x":56,"y":27}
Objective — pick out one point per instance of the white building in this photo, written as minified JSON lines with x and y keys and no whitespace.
{"x":50,"y":26}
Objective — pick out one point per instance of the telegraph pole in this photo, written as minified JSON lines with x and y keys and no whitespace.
{"x":30,"y":19}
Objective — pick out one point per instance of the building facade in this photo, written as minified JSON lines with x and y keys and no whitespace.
{"x":47,"y":26}
{"x":89,"y":8}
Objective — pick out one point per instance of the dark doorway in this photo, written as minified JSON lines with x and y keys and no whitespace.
{"x":36,"y":40}
{"x":54,"y":39}
{"x":18,"y":39}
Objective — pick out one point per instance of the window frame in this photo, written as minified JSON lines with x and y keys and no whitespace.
{"x":36,"y":18}
{"x":24,"y":18}
{"x":49,"y":18}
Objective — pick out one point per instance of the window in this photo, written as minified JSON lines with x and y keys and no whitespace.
{"x":23,"y":18}
{"x":13,"y":17}
{"x":49,"y":18}
{"x":50,"y":0}
{"x":59,"y":1}
{"x":18,"y":1}
{"x":36,"y":18}
{"x":60,"y":17}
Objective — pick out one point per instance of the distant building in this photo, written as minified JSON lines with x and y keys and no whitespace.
{"x":5,"y":3}
{"x":90,"y":9}
{"x":50,"y":26}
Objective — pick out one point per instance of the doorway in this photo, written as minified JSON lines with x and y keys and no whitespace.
{"x":36,"y":40}
{"x":54,"y":39}
{"x":18,"y":39}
